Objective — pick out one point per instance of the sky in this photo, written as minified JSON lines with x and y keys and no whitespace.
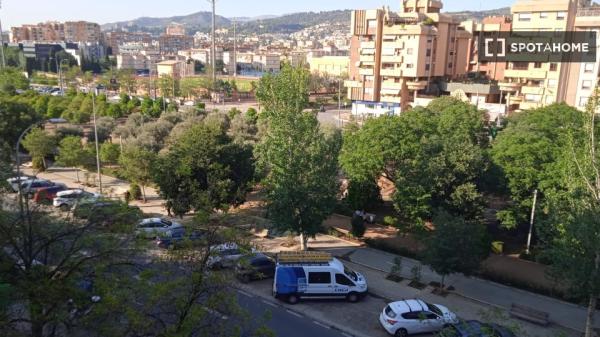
{"x":17,"y":12}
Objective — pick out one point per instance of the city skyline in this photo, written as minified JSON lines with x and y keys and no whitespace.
{"x":15,"y":13}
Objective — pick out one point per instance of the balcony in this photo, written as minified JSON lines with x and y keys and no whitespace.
{"x":530,"y":73}
{"x":394,"y":45}
{"x":391,"y":72}
{"x":391,"y":85}
{"x":509,"y":86}
{"x":365,"y":71}
{"x":367,"y":58}
{"x":470,"y":87}
{"x":367,"y":45}
{"x":532,"y":90}
{"x":416,"y":85}
{"x":353,"y":84}
{"x":392,"y":59}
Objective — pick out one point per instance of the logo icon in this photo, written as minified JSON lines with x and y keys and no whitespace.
{"x":499,"y":51}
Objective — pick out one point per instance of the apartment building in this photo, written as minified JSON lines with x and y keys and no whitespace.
{"x":175,"y":68}
{"x":70,"y":31}
{"x":395,"y":56}
{"x":337,"y":66}
{"x":270,"y":63}
{"x":114,"y":40}
{"x":175,"y":29}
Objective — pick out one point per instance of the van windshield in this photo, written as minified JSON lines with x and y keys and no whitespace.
{"x":351,"y":274}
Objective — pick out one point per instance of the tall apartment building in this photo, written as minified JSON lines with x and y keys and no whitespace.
{"x":175,"y":40}
{"x":116,"y":39}
{"x":70,"y":31}
{"x":530,"y":85}
{"x":395,"y":56}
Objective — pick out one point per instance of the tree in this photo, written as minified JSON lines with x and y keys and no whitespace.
{"x":457,"y":245}
{"x":15,"y":117}
{"x":203,"y":170}
{"x":363,"y":195}
{"x":529,"y":152}
{"x":136,"y":165}
{"x":127,"y":80}
{"x":12,"y":79}
{"x":300,"y":162}
{"x":109,"y":153}
{"x":71,"y":153}
{"x":39,"y":144}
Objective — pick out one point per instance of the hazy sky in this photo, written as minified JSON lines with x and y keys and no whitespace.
{"x":17,"y":12}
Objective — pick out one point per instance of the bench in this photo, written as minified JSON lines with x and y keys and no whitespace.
{"x":529,"y":314}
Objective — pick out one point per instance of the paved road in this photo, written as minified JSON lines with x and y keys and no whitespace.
{"x":283,"y":322}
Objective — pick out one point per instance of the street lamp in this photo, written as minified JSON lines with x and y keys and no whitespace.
{"x":94,"y":93}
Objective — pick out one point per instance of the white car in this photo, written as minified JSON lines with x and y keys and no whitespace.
{"x":15,"y":181}
{"x":153,"y":227}
{"x":409,"y":317}
{"x":65,"y":200}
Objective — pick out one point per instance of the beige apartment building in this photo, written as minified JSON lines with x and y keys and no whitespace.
{"x":70,"y":31}
{"x":395,"y":56}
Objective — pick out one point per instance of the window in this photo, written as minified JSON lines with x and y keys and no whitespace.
{"x":589,"y":68}
{"x":409,"y":66}
{"x":343,"y":280}
{"x":411,"y":315}
{"x":524,"y":16}
{"x":587,"y":84}
{"x":319,"y":277}
{"x":561,"y":15}
{"x":389,"y":312}
{"x":583,"y":101}
{"x":537,"y":65}
{"x":552,"y":83}
{"x":553,"y":66}
{"x":427,"y":67}
{"x":431,"y":315}
{"x":409,"y":51}
{"x":543,"y":15}
{"x":428,"y":52}
{"x":450,"y":65}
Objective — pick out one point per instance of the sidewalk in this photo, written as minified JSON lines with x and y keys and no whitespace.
{"x":562,"y":313}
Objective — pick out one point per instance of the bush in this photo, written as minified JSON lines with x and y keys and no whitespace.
{"x":390,"y":221}
{"x":358,"y":226}
{"x":135,"y":192}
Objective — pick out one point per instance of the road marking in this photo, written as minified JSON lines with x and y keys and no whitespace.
{"x":294,"y":313}
{"x":245,"y":293}
{"x":321,"y":325}
{"x":269,"y":303}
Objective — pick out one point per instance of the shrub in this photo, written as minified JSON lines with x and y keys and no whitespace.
{"x":135,"y":192}
{"x":390,"y":221}
{"x":416,"y":273}
{"x":358,"y":226}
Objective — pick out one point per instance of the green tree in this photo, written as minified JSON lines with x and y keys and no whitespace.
{"x":71,"y":153}
{"x":127,"y":80}
{"x":12,"y":79}
{"x":457,"y":245}
{"x":363,"y":195}
{"x":136,"y":165}
{"x":39,"y":144}
{"x":204,"y":170}
{"x":299,"y":160}
{"x":110,"y":153}
{"x":15,"y":117}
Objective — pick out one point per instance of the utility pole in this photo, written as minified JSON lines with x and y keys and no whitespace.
{"x":234,"y":49}
{"x":340,"y":101}
{"x":2,"y":42}
{"x":96,"y":140}
{"x":214,"y":46}
{"x":535,"y":193}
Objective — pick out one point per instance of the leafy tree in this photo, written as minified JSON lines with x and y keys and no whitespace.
{"x":15,"y":117}
{"x":39,"y":144}
{"x":298,"y":159}
{"x":127,"y":80}
{"x":136,"y":165}
{"x":242,"y":130}
{"x":105,"y":127}
{"x":71,"y":153}
{"x":110,"y":153}
{"x":203,"y":170}
{"x":363,"y":195}
{"x":252,"y":115}
{"x":12,"y":79}
{"x":457,"y":245}
{"x":529,"y":152}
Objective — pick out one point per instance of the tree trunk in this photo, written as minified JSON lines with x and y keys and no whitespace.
{"x":144,"y":193}
{"x":77,"y":174}
{"x":589,"y":323}
{"x":303,"y":241}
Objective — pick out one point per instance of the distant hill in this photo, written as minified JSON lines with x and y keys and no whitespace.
{"x":479,"y":15}
{"x":286,"y":24}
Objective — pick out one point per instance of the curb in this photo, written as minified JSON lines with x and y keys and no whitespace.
{"x":315,"y":318}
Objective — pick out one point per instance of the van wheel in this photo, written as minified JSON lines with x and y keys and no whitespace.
{"x":292,"y":299}
{"x":352,"y":298}
{"x":401,"y":333}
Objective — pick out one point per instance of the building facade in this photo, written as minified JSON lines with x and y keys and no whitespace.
{"x":70,"y":31}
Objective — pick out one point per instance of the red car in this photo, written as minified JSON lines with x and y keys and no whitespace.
{"x":47,"y":194}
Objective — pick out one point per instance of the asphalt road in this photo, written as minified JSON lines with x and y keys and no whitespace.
{"x":283,"y":322}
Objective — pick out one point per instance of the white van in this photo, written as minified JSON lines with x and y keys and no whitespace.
{"x":315,"y":275}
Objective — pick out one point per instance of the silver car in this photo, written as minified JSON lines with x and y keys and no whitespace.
{"x":65,"y":200}
{"x":155,"y":227}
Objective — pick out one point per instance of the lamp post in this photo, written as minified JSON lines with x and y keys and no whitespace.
{"x":94,"y":89}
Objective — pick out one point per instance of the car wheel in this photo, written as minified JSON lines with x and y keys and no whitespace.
{"x":64,"y":207}
{"x":401,"y":333}
{"x":352,"y":298}
{"x":293,"y":299}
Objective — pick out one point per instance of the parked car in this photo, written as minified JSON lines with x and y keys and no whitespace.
{"x":154,"y":227}
{"x":177,"y":238}
{"x":107,"y":213}
{"x":15,"y":181}
{"x":29,"y":187}
{"x":225,"y":255}
{"x":257,"y":267}
{"x":65,"y":200}
{"x":315,"y":275}
{"x":407,"y":317}
{"x":475,"y":329}
{"x":47,"y":194}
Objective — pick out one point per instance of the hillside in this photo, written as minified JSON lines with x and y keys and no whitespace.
{"x":479,"y":15}
{"x":193,"y":22}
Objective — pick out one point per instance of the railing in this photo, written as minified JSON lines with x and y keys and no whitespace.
{"x":588,"y":11}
